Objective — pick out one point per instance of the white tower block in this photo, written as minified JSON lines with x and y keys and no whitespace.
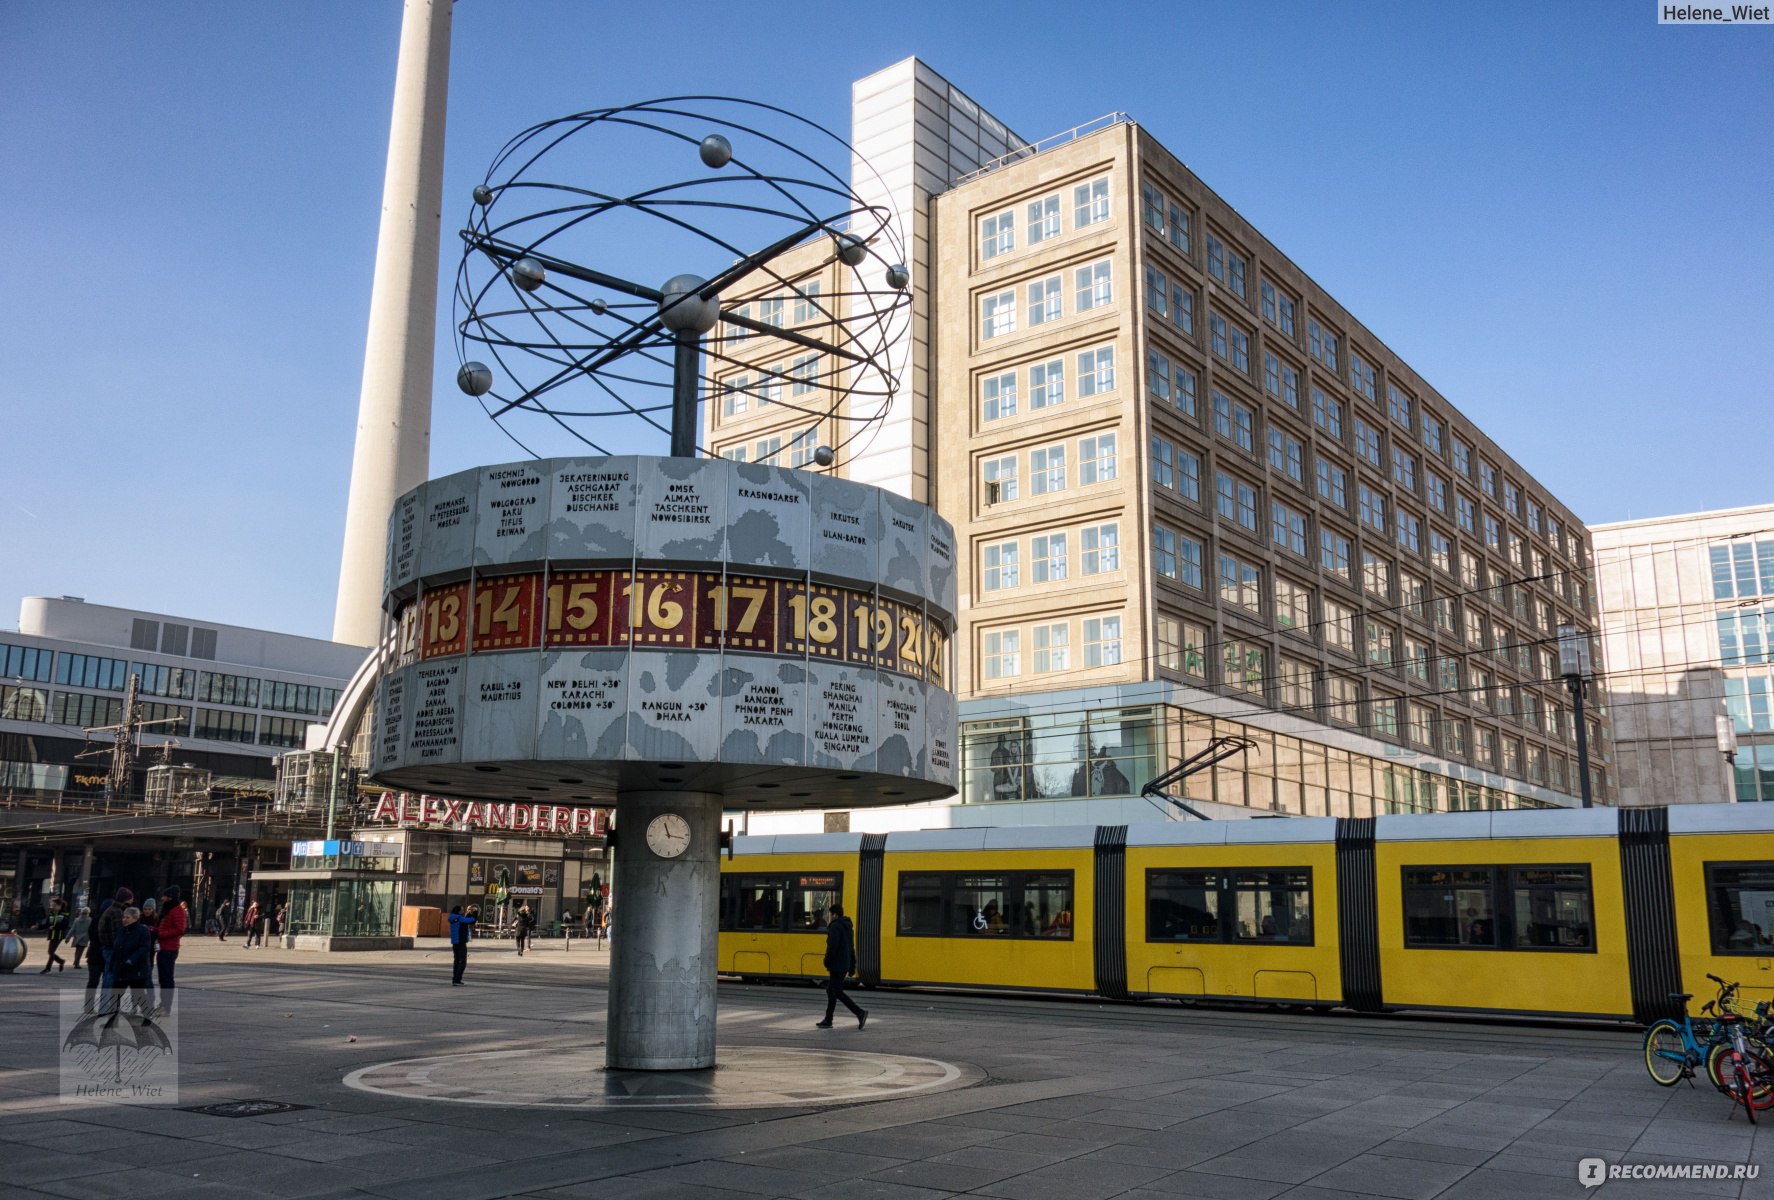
{"x":393,"y":448}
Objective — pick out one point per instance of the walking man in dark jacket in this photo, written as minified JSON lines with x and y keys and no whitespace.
{"x":840,"y":960}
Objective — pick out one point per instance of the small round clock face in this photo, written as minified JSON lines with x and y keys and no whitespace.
{"x":668,"y":835}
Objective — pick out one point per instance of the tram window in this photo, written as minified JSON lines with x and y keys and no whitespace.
{"x":1046,"y":906}
{"x":1496,"y":908}
{"x":778,"y":903}
{"x":810,"y":901}
{"x":1230,"y":906}
{"x":1552,"y":908}
{"x":1740,"y":903}
{"x":1273,"y":906}
{"x":1449,"y":907}
{"x":1182,"y":906}
{"x":1011,"y":904}
{"x":920,"y":905}
{"x":979,"y":906}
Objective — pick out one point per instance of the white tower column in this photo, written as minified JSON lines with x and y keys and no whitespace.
{"x":393,"y":447}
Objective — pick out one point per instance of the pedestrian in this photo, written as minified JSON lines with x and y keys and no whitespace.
{"x":526,"y":921}
{"x":277,"y":922}
{"x":590,"y":918}
{"x":110,"y":920}
{"x":224,"y":914}
{"x":132,"y":953}
{"x":253,"y":933}
{"x":840,"y":960}
{"x":95,"y":956}
{"x":80,"y":933}
{"x":151,"y":919}
{"x":461,"y":926}
{"x":173,"y":922}
{"x":58,"y":930}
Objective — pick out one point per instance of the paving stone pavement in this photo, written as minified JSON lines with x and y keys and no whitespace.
{"x":1075,"y":1100}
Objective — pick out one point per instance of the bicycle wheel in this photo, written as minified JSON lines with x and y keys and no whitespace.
{"x":1665,"y":1055}
{"x":1749,"y":1082}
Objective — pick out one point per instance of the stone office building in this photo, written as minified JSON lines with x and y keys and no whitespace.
{"x":1194,"y":497}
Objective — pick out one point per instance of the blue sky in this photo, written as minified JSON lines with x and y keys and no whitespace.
{"x":1561,"y":215}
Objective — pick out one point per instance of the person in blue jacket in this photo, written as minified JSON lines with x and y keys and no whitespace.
{"x":461,"y":927}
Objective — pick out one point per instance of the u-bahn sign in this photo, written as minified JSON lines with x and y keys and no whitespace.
{"x":571,"y":627}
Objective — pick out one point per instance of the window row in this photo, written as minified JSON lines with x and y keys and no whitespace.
{"x":1034,"y":387}
{"x":1093,"y":462}
{"x":1039,"y":221}
{"x":1050,"y":646}
{"x":779,"y":903}
{"x":1074,"y":292}
{"x":802,"y":304}
{"x":1050,"y":556}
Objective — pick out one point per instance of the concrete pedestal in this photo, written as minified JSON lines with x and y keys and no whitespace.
{"x":664,"y":946}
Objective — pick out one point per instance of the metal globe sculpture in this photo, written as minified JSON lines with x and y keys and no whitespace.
{"x":624,"y":265}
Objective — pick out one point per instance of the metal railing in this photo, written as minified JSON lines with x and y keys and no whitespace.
{"x":1045,"y":144}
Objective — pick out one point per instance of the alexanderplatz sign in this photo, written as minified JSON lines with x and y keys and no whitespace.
{"x":411,"y":811}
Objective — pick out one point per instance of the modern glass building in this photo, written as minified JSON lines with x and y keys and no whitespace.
{"x":216,"y":704}
{"x":1687,"y":610}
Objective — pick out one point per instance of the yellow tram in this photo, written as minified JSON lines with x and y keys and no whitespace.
{"x":1596,"y":913}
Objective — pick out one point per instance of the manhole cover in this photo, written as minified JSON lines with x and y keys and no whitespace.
{"x":747,"y":1077}
{"x":245,"y":1108}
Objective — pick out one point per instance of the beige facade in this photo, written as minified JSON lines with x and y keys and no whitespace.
{"x":1687,"y":606}
{"x":1182,"y":474}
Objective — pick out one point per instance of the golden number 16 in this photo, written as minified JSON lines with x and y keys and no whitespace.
{"x":660,"y":612}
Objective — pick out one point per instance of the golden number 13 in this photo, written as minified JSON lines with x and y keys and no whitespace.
{"x":443,"y":619}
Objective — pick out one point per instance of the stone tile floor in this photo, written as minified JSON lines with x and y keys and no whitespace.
{"x":1078,"y":1099}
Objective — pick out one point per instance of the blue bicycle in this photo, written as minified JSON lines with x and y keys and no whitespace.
{"x":1676,"y":1050}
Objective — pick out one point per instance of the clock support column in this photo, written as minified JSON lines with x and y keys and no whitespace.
{"x":663,"y":940}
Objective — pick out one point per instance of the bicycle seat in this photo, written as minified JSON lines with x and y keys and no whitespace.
{"x":1681,"y":996}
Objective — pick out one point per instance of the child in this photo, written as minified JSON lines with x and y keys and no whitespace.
{"x":80,"y":933}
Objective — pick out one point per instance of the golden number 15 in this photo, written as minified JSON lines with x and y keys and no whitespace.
{"x":576,"y":605}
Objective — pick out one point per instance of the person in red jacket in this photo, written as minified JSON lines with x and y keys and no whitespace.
{"x":173,"y":922}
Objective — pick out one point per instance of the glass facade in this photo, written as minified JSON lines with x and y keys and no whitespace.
{"x":342,"y":908}
{"x":1116,"y":752}
{"x":1111,"y":752}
